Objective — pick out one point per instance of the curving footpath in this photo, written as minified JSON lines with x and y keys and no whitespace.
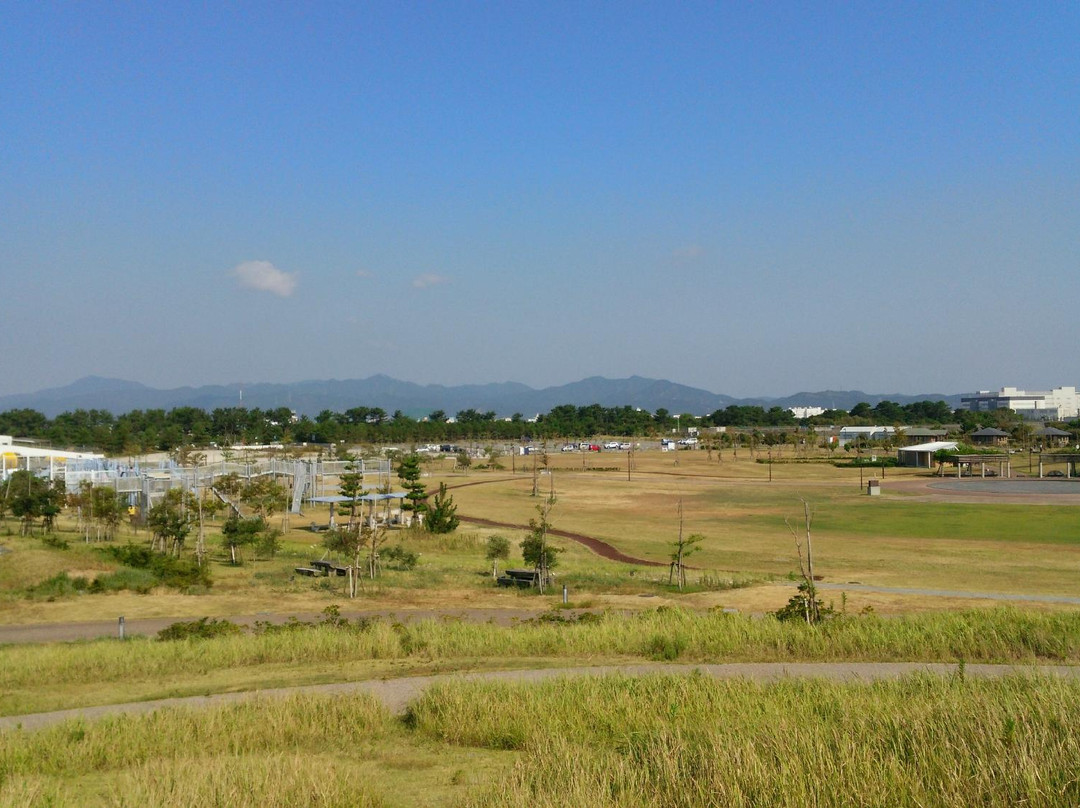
{"x":396,"y":694}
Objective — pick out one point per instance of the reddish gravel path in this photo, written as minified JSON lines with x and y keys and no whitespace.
{"x":601,"y":548}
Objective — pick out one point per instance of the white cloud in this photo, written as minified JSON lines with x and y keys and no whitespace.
{"x":429,"y":279}
{"x":691,"y":252}
{"x":363,"y":273}
{"x":265,"y":277}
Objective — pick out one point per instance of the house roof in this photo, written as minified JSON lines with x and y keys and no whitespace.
{"x":1053,"y":432}
{"x":990,"y":432}
{"x":933,"y":446}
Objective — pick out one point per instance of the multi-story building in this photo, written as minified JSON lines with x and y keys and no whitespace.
{"x":1034,"y":405}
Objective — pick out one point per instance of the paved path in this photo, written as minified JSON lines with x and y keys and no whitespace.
{"x":95,"y":629}
{"x":396,"y":694}
{"x":951,"y":593}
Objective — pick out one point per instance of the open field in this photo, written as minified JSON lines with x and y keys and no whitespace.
{"x":912,"y":536}
{"x":607,"y":742}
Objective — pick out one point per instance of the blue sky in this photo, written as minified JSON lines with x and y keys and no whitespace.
{"x":752,"y":198}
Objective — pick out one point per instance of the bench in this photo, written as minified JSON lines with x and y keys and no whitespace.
{"x":308,"y":571}
{"x":327,"y":567}
{"x":520,"y":578}
{"x":314,"y":528}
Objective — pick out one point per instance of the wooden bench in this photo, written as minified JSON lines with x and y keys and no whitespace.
{"x":308,"y":571}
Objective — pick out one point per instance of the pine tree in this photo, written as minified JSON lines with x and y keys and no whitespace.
{"x":415,"y":495}
{"x":442,"y":514}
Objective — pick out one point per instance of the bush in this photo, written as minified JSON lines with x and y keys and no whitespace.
{"x":400,"y":558}
{"x":665,"y":647}
{"x":179,"y":573}
{"x":202,"y":629}
{"x":58,"y":586}
{"x":141,"y":581}
{"x":54,"y":541}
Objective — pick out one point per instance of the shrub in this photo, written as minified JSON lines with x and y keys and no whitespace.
{"x":203,"y":628}
{"x":398,"y":557}
{"x":179,"y":573}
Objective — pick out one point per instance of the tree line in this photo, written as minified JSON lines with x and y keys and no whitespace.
{"x":166,"y":430}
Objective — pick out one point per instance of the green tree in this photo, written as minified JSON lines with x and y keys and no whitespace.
{"x":409,"y":473}
{"x":498,"y":547}
{"x":31,"y":498}
{"x":351,"y":486}
{"x":442,"y":515}
{"x":536,"y":550}
{"x":238,"y":532}
{"x":171,"y":521}
{"x":464,"y":461}
{"x":264,"y":495}
{"x":681,"y":549}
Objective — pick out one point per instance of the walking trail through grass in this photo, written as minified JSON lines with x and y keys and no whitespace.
{"x":396,"y":694}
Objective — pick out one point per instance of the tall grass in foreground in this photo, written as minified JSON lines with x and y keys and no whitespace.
{"x":998,"y":635}
{"x":248,"y":754}
{"x":694,"y":741}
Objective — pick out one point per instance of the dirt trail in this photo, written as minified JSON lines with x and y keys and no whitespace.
{"x":396,"y":694}
{"x":601,"y":548}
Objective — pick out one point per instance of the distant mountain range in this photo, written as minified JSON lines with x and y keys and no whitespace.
{"x":311,"y":397}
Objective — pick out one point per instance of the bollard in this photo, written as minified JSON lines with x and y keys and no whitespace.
{"x":564,"y":594}
{"x":120,"y":627}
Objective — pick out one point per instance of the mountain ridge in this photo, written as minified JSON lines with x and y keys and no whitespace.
{"x":505,"y":398}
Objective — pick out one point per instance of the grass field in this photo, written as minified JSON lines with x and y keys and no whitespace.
{"x":895,"y":540}
{"x":37,"y":678}
{"x":665,"y":741}
{"x":613,"y":741}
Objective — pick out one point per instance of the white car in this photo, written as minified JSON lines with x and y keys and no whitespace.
{"x":625,"y":446}
{"x":611,"y":444}
{"x":569,"y":448}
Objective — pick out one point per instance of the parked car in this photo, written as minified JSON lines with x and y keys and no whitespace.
{"x":569,"y":448}
{"x":611,"y":444}
{"x":1055,"y":473}
{"x":625,"y":446}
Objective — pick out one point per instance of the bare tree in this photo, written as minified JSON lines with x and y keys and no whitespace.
{"x":811,"y":606}
{"x":682,"y":548}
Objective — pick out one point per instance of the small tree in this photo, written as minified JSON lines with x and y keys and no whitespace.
{"x":264,"y":495}
{"x":31,"y":497}
{"x":494,"y":453}
{"x":535,"y":549}
{"x":442,"y":515}
{"x":170,"y":521}
{"x":497,"y":547}
{"x":805,"y":605}
{"x":681,"y":549}
{"x":237,"y":533}
{"x":464,"y":461}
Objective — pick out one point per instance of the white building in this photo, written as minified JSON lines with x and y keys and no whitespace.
{"x":14,"y":456}
{"x":1058,"y":404}
{"x":922,"y":455}
{"x":850,"y":433}
{"x":806,"y":412}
